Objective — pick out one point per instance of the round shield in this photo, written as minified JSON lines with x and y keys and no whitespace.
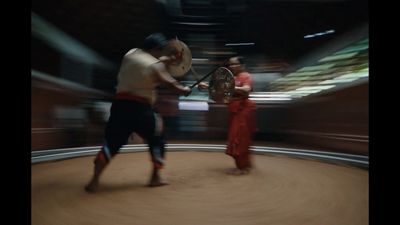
{"x":184,"y":58}
{"x":222,"y":85}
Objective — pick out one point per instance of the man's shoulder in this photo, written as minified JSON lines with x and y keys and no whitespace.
{"x":140,"y":56}
{"x":133,"y":50}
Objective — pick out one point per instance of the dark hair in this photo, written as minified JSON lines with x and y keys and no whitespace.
{"x":156,"y":40}
{"x":240,"y":59}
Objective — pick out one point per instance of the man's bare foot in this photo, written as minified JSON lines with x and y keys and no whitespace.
{"x":245,"y":171}
{"x":233,"y":171}
{"x":157,"y":183}
{"x":91,"y":187}
{"x":236,"y":171}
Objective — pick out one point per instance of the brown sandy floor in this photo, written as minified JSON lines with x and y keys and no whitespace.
{"x":279,"y":191}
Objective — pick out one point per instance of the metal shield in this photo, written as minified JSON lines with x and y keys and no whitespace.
{"x":181,"y":66}
{"x":222,"y":85}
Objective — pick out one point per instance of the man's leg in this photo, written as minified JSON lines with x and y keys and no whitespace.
{"x":157,"y":151}
{"x":153,"y":131}
{"x":116,"y":138}
{"x":242,"y":161}
{"x":100,"y":162}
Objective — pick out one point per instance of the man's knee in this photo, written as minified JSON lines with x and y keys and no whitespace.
{"x":105,"y":155}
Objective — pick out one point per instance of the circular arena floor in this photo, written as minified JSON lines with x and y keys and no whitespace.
{"x":280,"y":190}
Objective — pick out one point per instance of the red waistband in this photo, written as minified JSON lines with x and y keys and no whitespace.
{"x":132,"y":97}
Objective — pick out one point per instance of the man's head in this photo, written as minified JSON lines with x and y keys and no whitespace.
{"x":154,"y":43}
{"x":236,"y":64}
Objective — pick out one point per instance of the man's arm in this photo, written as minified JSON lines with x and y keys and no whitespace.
{"x":243,"y":91}
{"x":203,"y":85}
{"x":164,"y":77}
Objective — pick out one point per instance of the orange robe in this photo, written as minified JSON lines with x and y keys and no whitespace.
{"x":242,"y":125}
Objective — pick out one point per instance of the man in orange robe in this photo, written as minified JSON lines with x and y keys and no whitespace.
{"x":242,"y":118}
